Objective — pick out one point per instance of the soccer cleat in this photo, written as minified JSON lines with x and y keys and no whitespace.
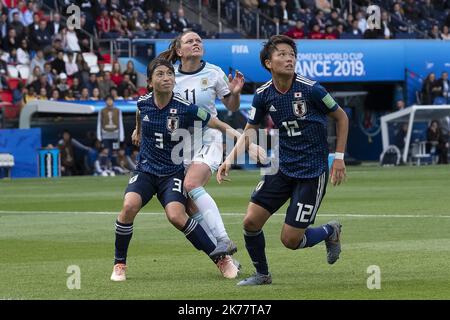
{"x":256,"y":280}
{"x":118,"y":273}
{"x":229,"y":267}
{"x":223,"y":248}
{"x":333,"y":243}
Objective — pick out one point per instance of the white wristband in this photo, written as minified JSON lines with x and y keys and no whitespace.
{"x":339,"y":155}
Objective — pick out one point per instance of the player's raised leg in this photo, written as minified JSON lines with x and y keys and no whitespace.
{"x":255,"y":244}
{"x":124,"y":231}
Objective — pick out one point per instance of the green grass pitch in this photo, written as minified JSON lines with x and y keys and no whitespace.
{"x":396,"y":218}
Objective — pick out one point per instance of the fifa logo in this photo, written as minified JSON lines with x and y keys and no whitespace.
{"x":374,"y":17}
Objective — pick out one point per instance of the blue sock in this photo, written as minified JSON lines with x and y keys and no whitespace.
{"x":198,"y":237}
{"x":124,"y":232}
{"x":256,"y":244}
{"x":313,"y":236}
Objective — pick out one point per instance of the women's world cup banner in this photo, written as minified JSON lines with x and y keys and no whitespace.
{"x":334,"y":60}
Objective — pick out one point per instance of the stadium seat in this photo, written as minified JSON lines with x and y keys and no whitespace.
{"x":24,"y":71}
{"x":439,"y":100}
{"x":6,"y":96}
{"x":228,"y":35}
{"x":12,"y":71}
{"x":167,"y":35}
{"x":90,"y":58}
{"x":106,"y":58}
{"x":13,"y":83}
{"x":10,"y":111}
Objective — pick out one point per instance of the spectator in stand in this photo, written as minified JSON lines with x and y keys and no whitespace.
{"x":127,"y":94}
{"x":355,"y":29}
{"x":444,"y":84}
{"x":131,"y":72}
{"x":106,"y":85}
{"x":445,"y":35}
{"x":84,"y":94}
{"x":38,"y":60}
{"x":29,"y":94}
{"x":426,"y":9}
{"x":334,"y":18}
{"x":181,"y":22}
{"x":11,"y":41}
{"x":340,"y":30}
{"x":323,"y":5}
{"x":398,"y":19}
{"x":12,"y":59}
{"x":434,"y":32}
{"x":32,"y":28}
{"x":3,"y":26}
{"x":298,"y":31}
{"x":151,"y":24}
{"x":66,"y":146}
{"x":34,"y":75}
{"x":58,"y":64}
{"x":167,"y":24}
{"x":106,"y":26}
{"x":284,"y":13}
{"x":69,"y":96}
{"x":83,"y":38}
{"x":18,"y":95}
{"x":23,"y":53}
{"x":349,"y":23}
{"x":410,"y":10}
{"x":27,"y":18}
{"x":330,"y":33}
{"x":70,"y":40}
{"x":430,"y":89}
{"x":437,"y":142}
{"x":123,"y":165}
{"x":92,"y":83}
{"x":126,"y":84}
{"x":316,"y":33}
{"x":51,"y":77}
{"x":43,"y":94}
{"x":386,"y":25}
{"x":61,"y":84}
{"x":71,"y":66}
{"x":319,"y":19}
{"x":55,"y":25}
{"x":362,"y":22}
{"x":41,"y":83}
{"x":115,"y":94}
{"x":83,"y":70}
{"x":17,"y":25}
{"x":76,"y":88}
{"x":42,"y":39}
{"x":134,"y":24}
{"x":55,"y":95}
{"x":95,"y":95}
{"x":116,"y":74}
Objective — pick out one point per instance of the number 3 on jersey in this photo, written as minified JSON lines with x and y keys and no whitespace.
{"x":159,"y":140}
{"x":291,"y":128}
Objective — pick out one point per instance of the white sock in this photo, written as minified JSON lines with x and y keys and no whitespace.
{"x":199,"y":218}
{"x":211,"y":215}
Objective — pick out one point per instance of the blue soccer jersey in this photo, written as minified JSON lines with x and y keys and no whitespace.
{"x":300,"y":116}
{"x":157,"y":128}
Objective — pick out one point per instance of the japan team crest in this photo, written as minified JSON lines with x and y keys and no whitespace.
{"x":299,"y":107}
{"x":172,"y":123}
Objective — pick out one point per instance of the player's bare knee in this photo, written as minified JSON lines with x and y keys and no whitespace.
{"x":190,"y":185}
{"x":289,"y":242}
{"x":250,"y":225}
{"x":130,"y":209}
{"x":176,"y":219}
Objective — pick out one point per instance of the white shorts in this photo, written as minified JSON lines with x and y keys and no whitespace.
{"x":209,"y":150}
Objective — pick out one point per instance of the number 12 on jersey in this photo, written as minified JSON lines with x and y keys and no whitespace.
{"x":291,"y":128}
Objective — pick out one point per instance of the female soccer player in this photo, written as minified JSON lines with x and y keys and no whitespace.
{"x":162,"y":113}
{"x":200,"y":83}
{"x":299,"y":107}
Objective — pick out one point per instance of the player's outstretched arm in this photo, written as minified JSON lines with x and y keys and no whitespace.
{"x":244,"y":140}
{"x":136,"y":136}
{"x":337,"y":174}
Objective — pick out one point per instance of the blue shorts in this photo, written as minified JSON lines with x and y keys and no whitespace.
{"x":168,"y":188}
{"x":305,"y":194}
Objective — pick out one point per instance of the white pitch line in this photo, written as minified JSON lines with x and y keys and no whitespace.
{"x":349,"y":215}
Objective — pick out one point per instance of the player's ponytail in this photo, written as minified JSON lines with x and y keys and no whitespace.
{"x":171,"y":53}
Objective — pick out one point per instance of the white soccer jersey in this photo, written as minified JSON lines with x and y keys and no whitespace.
{"x":202,"y":87}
